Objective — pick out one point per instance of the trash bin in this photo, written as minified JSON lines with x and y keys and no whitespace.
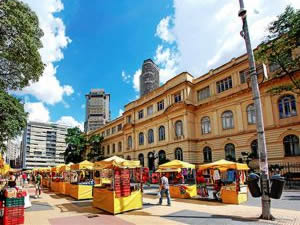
{"x":277,"y":186}
{"x":253,"y":186}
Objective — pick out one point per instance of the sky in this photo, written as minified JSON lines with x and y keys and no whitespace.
{"x":102,"y":44}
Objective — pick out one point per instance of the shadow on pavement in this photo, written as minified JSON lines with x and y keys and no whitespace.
{"x":70,"y":207}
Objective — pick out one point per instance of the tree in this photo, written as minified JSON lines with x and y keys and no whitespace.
{"x":278,"y":49}
{"x":95,"y":151}
{"x":76,"y":145}
{"x":12,"y":118}
{"x":20,"y":61}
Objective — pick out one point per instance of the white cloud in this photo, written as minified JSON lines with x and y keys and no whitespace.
{"x":121,"y":111}
{"x":37,"y":112}
{"x":48,"y":89}
{"x":136,"y":80}
{"x":125,"y":77}
{"x":163,"y":30}
{"x":70,"y":121}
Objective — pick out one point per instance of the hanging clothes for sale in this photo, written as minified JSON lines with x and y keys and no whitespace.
{"x":230,"y":175}
{"x":216,"y":175}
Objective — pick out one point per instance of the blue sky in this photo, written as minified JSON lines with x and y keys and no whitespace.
{"x":102,"y":44}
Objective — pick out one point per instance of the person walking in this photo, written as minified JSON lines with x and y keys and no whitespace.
{"x":164,"y":189}
{"x":24,"y":176}
{"x":38,"y":182}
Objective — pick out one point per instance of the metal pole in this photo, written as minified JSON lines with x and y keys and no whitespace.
{"x":263,"y":160}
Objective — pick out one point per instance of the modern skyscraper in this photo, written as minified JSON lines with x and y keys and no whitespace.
{"x":97,"y":109}
{"x":149,"y":79}
{"x":43,"y":145}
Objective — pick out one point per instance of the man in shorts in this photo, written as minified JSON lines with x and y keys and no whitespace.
{"x":38,"y":184}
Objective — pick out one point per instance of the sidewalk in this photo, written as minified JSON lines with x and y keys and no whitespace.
{"x":54,"y":209}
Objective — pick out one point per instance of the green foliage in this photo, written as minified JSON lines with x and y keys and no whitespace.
{"x":20,"y":61}
{"x":279,"y":48}
{"x":12,"y":118}
{"x":76,"y":145}
{"x":95,"y":151}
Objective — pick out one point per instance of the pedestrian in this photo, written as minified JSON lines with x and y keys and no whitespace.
{"x":38,"y":182}
{"x":28,"y":178}
{"x":12,"y":180}
{"x":24,"y":176}
{"x":164,"y":189}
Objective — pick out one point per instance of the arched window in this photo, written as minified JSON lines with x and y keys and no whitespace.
{"x":141,"y":138}
{"x":128,"y":157}
{"x":205,"y":125}
{"x":129,"y":142}
{"x":287,"y":106}
{"x":120,"y":146}
{"x":207,"y":157}
{"x":178,"y":154}
{"x":108,"y":150}
{"x":161,"y":133}
{"x":178,"y":128}
{"x":161,"y":157}
{"x":254,"y":149}
{"x":230,"y":152}
{"x":227,"y":120}
{"x":150,"y":136}
{"x":114,"y":148}
{"x":291,"y":145}
{"x":251,"y":114}
{"x":141,"y":159}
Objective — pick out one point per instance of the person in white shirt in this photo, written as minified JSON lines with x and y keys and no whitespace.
{"x":164,"y":189}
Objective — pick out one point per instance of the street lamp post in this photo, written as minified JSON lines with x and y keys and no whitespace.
{"x":263,"y":160}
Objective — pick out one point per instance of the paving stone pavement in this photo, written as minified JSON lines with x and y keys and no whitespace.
{"x":54,"y":209}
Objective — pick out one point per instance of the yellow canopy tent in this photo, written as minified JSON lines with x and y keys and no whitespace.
{"x":175,"y":164}
{"x":224,"y":165}
{"x":65,"y":168}
{"x":116,"y":162}
{"x":83,"y":165}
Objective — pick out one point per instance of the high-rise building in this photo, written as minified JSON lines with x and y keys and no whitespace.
{"x":43,"y":145}
{"x":149,"y":79}
{"x":13,"y":152}
{"x":97,"y":109}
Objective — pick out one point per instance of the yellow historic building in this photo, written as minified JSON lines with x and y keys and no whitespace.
{"x":205,"y":119}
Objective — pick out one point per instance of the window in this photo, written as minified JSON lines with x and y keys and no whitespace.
{"x":141,"y":138}
{"x":287,"y":106}
{"x":129,"y":142}
{"x":177,"y":97}
{"x":161,"y":133}
{"x":178,"y":154}
{"x":205,"y":125}
{"x":291,"y":145}
{"x":119,"y":146}
{"x":113,"y":130}
{"x":160,"y":105}
{"x":108,"y":150}
{"x":129,"y":119}
{"x":227,"y":120}
{"x":273,"y":67}
{"x":244,"y":76}
{"x":203,"y":93}
{"x":107,"y":132}
{"x":103,"y":134}
{"x":141,"y":159}
{"x":251,"y":114}
{"x":230,"y":152}
{"x":254,"y":151}
{"x":114,"y":148}
{"x":224,"y":85}
{"x":161,"y":157}
{"x":119,"y":127}
{"x":150,"y":136}
{"x":150,"y":110}
{"x":207,"y":157}
{"x":141,"y":114}
{"x":178,"y":128}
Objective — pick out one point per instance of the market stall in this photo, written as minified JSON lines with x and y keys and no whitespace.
{"x":227,"y":179}
{"x":181,"y":177}
{"x":46,"y":176}
{"x":55,"y":178}
{"x":81,"y":179}
{"x":64,"y":184}
{"x":118,"y":190}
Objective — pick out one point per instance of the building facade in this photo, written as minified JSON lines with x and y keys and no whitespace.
{"x":205,"y":119}
{"x":97,"y":109}
{"x":13,"y":153}
{"x":43,"y":145}
{"x":149,"y":78}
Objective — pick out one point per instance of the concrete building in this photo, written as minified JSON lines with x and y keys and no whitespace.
{"x":43,"y":145}
{"x":97,"y":109}
{"x":12,"y":153}
{"x":205,"y":119}
{"x":149,"y":79}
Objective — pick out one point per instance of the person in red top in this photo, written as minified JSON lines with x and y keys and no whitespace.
{"x":24,"y":177}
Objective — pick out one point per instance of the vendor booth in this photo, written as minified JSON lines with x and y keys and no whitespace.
{"x":46,"y":176}
{"x":227,"y":179}
{"x":64,"y":184}
{"x":118,"y":189}
{"x":181,"y":177}
{"x":55,"y":178}
{"x":81,"y":179}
